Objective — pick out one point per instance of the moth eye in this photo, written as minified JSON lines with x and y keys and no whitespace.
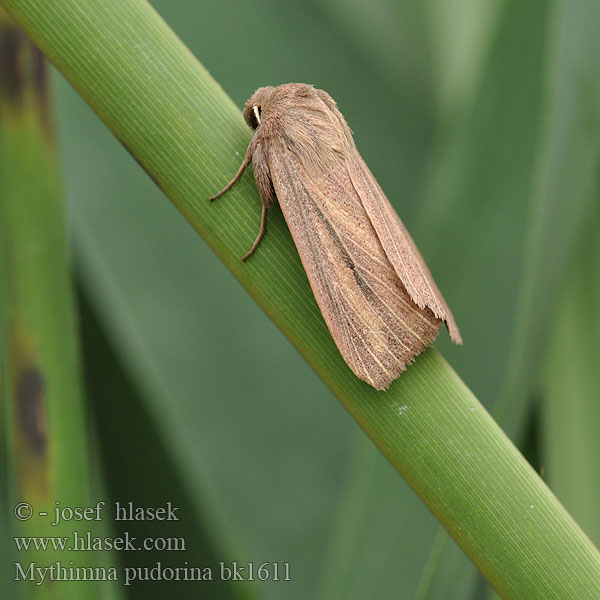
{"x":257,"y":112}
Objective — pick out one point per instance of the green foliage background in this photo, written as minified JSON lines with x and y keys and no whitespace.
{"x":475,"y":123}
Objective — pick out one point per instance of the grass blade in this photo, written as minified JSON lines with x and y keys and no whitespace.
{"x":45,"y":459}
{"x":571,"y":410}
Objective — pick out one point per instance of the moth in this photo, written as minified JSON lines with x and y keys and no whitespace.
{"x":372,"y":285}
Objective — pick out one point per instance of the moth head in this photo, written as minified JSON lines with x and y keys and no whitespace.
{"x":256,"y":104}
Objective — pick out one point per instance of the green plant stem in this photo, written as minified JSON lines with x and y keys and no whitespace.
{"x":190,"y":138}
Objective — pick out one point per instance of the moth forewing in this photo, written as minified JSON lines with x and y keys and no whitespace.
{"x":375,"y":324}
{"x":372,"y":286}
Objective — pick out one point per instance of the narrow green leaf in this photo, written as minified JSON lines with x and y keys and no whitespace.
{"x":571,"y":410}
{"x":44,"y":429}
{"x":557,"y":190}
{"x":110,"y":394}
{"x":564,"y":189}
{"x":460,"y":34}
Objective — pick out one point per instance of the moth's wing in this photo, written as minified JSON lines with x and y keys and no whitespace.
{"x":377,"y":327}
{"x":399,"y":247}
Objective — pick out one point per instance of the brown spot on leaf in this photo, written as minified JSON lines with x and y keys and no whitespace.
{"x":11,"y":69}
{"x":32,"y":409}
{"x":23,"y":67}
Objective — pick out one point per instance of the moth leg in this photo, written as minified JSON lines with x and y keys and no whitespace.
{"x":262,"y":176}
{"x":247,"y":160}
{"x":261,"y":233}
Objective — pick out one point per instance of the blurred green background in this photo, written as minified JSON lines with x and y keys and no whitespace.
{"x":480,"y":121}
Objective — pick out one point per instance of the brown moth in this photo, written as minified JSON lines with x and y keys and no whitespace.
{"x":372,"y":285}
